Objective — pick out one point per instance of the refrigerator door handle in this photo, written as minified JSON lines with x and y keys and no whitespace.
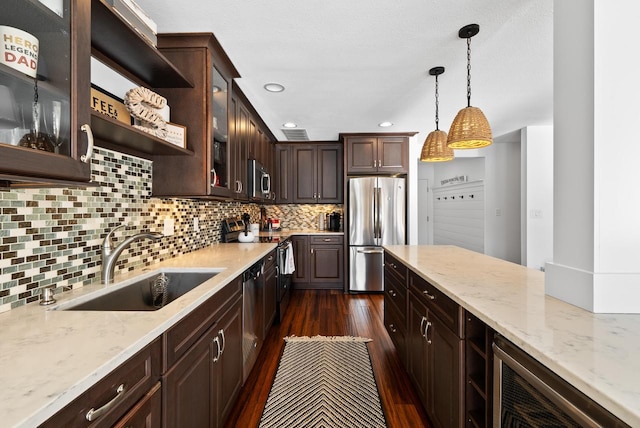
{"x":378,"y":216}
{"x":375,"y":214}
{"x":380,"y":251}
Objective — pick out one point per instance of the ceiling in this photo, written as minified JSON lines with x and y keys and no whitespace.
{"x":349,"y":65}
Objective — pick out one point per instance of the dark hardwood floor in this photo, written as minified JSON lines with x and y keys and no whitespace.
{"x":333,"y":313}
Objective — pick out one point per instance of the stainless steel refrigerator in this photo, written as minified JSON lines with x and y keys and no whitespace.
{"x":377,"y":215}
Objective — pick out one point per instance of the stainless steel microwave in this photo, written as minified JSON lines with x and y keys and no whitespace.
{"x":259,"y":180}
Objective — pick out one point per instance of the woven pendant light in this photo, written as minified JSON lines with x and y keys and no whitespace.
{"x":470,"y":129}
{"x":435,"y":147}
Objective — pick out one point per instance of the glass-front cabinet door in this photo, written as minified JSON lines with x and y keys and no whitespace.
{"x":44,"y":90}
{"x":220,"y":148}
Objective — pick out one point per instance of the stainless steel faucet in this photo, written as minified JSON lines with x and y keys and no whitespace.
{"x":110,"y":255}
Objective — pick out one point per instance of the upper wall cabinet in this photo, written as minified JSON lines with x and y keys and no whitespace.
{"x":205,"y":110}
{"x":252,"y":141}
{"x":377,"y":153}
{"x":44,"y":93}
{"x":317,"y":173}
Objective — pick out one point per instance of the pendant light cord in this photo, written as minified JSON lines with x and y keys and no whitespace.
{"x":437,"y":116}
{"x":469,"y":72}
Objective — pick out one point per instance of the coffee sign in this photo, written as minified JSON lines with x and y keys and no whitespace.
{"x":19,"y":50}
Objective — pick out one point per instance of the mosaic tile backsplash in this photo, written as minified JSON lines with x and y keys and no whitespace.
{"x":300,"y":216}
{"x":53,"y":236}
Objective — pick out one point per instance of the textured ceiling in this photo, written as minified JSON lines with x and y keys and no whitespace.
{"x":348,"y":65}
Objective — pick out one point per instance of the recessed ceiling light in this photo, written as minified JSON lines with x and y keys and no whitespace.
{"x":274,"y":87}
{"x":289,"y":125}
{"x":385,"y":124}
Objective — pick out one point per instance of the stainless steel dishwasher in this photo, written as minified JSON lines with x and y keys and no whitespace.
{"x":252,"y":316}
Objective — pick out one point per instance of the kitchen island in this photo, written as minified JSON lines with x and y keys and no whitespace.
{"x":599,"y":354}
{"x":49,"y":357}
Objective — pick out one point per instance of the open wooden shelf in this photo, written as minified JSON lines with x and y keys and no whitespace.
{"x":117,"y":40}
{"x":129,"y":139}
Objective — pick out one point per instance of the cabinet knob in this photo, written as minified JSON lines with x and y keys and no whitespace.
{"x":429,"y":296}
{"x":392,"y":293}
{"x":392,"y":328}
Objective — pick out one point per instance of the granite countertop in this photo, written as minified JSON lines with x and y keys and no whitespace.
{"x":49,"y":357}
{"x":599,"y":354}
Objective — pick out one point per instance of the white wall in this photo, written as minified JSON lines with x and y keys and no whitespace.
{"x":596,"y":250}
{"x":537,"y":196}
{"x":502,"y":193}
{"x":499,"y":167}
{"x":425,"y":203}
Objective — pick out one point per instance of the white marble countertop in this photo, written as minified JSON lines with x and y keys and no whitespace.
{"x":599,"y":354}
{"x":49,"y":357}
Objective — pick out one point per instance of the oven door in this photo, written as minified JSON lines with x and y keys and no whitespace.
{"x":526,"y":393}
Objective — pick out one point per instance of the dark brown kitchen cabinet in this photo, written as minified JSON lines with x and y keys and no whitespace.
{"x":377,"y":153}
{"x":301,"y":258}
{"x":323,"y":262}
{"x":111,"y":399}
{"x":270,"y":290}
{"x":240,"y":149}
{"x":283,"y":174}
{"x":395,"y":304}
{"x":435,"y":352}
{"x":204,"y":110}
{"x":61,"y":152}
{"x":203,"y":362}
{"x":317,"y":173}
{"x":254,"y":141}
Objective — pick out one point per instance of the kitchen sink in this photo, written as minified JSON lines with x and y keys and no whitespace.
{"x":148,"y":292}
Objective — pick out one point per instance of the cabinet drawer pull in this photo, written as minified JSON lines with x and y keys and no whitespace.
{"x":392,"y":328}
{"x":94,"y":414}
{"x":87,"y":157}
{"x":426,"y":332}
{"x":216,"y":340}
{"x":392,"y":293}
{"x":423,"y":331}
{"x":224,"y":342}
{"x":327,"y":239}
{"x":215,"y":177}
{"x":429,"y":296}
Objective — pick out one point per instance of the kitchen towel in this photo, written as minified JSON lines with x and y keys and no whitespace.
{"x":289,"y":263}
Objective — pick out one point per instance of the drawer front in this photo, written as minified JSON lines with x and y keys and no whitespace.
{"x":395,"y":325}
{"x":326,"y":239}
{"x":394,"y":267}
{"x":147,"y":413}
{"x":183,"y":335}
{"x":449,"y":312}
{"x":137,"y":376}
{"x":270,"y":260}
{"x":395,"y":293}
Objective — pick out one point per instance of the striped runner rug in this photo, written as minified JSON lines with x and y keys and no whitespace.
{"x":324,"y":381}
